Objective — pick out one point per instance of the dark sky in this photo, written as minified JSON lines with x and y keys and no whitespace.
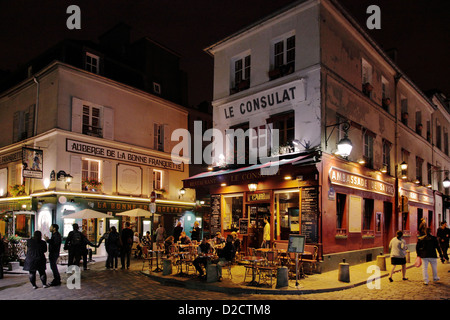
{"x":418,"y":29}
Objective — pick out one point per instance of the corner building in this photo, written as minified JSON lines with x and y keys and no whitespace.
{"x":312,"y":72}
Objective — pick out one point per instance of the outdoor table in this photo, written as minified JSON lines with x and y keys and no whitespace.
{"x":157,"y":251}
{"x":254,"y":260}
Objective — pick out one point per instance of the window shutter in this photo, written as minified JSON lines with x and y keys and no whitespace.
{"x":166,"y":136}
{"x":165,"y":181}
{"x":3,"y":181}
{"x":155,"y":136}
{"x":30,"y":124}
{"x":107,"y":177}
{"x":17,"y":126}
{"x":77,"y":111}
{"x":108,"y":123}
{"x":75,"y":172}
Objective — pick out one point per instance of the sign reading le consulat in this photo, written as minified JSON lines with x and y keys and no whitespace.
{"x":120,"y":155}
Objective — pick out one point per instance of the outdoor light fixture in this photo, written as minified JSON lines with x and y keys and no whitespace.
{"x":344,"y":145}
{"x":223,"y":184}
{"x":446,"y":183}
{"x":403,"y":165}
{"x":384,"y":169}
{"x":287,"y":177}
{"x":46,"y":183}
{"x":182,"y":192}
{"x":361,"y":161}
{"x":252,"y":187}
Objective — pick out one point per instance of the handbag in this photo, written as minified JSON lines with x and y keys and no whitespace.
{"x":418,"y":262}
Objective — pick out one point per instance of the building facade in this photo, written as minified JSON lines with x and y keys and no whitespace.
{"x":311,"y":72}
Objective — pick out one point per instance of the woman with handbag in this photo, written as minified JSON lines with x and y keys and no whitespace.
{"x":398,"y":249}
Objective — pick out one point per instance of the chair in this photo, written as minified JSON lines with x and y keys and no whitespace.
{"x":188,"y":259}
{"x":147,"y":256}
{"x":312,"y":261}
{"x":292,"y":267}
{"x":267,"y":271}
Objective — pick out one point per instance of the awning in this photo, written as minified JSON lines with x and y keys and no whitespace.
{"x":239,"y":175}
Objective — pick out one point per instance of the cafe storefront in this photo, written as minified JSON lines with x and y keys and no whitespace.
{"x":17,"y":217}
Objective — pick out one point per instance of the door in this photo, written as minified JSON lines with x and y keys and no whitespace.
{"x":388,"y":232}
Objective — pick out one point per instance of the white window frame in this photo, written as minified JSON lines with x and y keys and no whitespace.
{"x":94,"y":63}
{"x":89,"y":170}
{"x":91,"y":116}
{"x":282,"y":39}
{"x":366,"y":71}
{"x":242,"y":57}
{"x":157,"y":181}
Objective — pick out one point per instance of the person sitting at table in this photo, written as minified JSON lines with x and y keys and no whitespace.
{"x":169,"y":241}
{"x":184,"y":239}
{"x":226,"y":255}
{"x":236,"y":242}
{"x":204,"y":250}
{"x":146,"y":240}
{"x":137,"y":246}
{"x":218,"y":239}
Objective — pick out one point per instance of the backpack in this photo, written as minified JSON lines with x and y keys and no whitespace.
{"x":76,"y":238}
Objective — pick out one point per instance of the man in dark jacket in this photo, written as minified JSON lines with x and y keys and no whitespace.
{"x":426,"y":249}
{"x":443,"y":235}
{"x":74,"y":244}
{"x":127,"y":244}
{"x":54,"y":246}
{"x":35,"y":259}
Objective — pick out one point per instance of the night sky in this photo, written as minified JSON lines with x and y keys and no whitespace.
{"x":418,"y":29}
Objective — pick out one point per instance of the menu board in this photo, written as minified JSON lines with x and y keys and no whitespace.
{"x":215,"y":214}
{"x":309,"y":213}
{"x":243,"y":226}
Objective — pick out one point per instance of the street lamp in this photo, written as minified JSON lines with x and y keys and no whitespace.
{"x":344,"y":145}
{"x":446,"y":183}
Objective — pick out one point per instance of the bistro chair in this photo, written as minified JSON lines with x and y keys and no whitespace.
{"x":147,"y":256}
{"x":269,"y":269}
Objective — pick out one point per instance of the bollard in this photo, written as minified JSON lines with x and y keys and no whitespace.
{"x":282,"y":277}
{"x":13,"y":265}
{"x":381,"y":262}
{"x":344,"y":272}
{"x":211,"y":272}
{"x":408,"y":256}
{"x":167,"y":267}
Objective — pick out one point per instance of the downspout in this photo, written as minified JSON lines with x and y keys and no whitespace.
{"x":36,"y":108}
{"x":397,"y":78}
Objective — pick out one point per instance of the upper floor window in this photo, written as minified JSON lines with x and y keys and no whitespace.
{"x":404,"y":109}
{"x":366,"y":77}
{"x":91,"y":121}
{"x":157,"y":179}
{"x":368,"y":148}
{"x":419,"y":165}
{"x":285,"y":123}
{"x":385,"y":95}
{"x":283,"y":57}
{"x":158,"y":136}
{"x":387,"y":156}
{"x":92,"y":63}
{"x":438,"y":135}
{"x":241,"y":68}
{"x":23,"y":124}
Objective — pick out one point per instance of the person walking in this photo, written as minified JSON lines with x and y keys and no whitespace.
{"x":112,"y":245}
{"x":177,"y":232}
{"x":160,"y":236}
{"x":105,"y":238}
{"x":85,"y":251}
{"x":35,"y":259}
{"x":127,"y":243}
{"x":398,"y":248}
{"x":426,"y":249}
{"x":443,"y":235}
{"x":422,"y":227}
{"x":54,"y":246}
{"x":74,"y":244}
{"x":266,"y":234}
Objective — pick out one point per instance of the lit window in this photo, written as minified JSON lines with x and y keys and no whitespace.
{"x":157,"y":179}
{"x":241,"y":73}
{"x":283,"y":57}
{"x":90,"y":175}
{"x":91,"y":121}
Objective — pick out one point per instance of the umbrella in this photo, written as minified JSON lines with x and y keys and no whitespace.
{"x":87,"y":214}
{"x":138,"y":212}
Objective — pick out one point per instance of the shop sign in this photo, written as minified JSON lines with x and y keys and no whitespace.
{"x":357,"y":181}
{"x":121,"y":155}
{"x":115,"y":206}
{"x":11,"y":157}
{"x":417,"y":197}
{"x":32,"y":160}
{"x":258,"y":196}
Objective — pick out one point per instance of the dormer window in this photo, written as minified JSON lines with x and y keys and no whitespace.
{"x":92,"y":63}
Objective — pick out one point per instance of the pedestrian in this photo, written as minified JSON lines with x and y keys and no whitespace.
{"x":266,"y":234}
{"x":85,"y":251}
{"x":54,"y":246}
{"x":127,"y":243}
{"x":112,"y":245}
{"x":177,"y":232}
{"x":443,"y":235}
{"x":422,"y":227}
{"x":2,"y":251}
{"x":426,"y":249}
{"x":35,"y":259}
{"x":105,"y":237}
{"x":74,"y":244}
{"x":195,"y":232}
{"x":160,"y":236}
{"x":398,"y":248}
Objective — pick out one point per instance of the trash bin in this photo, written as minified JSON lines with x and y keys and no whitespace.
{"x":167,"y":267}
{"x":344,"y":272}
{"x":381,"y":262}
{"x":282,"y":277}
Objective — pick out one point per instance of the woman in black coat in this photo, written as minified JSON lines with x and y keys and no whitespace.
{"x":35,"y":259}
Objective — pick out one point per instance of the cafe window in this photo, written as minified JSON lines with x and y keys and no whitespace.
{"x":368,"y":214}
{"x":91,"y":121}
{"x":232,"y":211}
{"x":287,"y":220}
{"x":157,"y":179}
{"x":23,"y":225}
{"x":341,"y":207}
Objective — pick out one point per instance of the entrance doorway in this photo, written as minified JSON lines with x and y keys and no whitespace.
{"x":388,"y":232}
{"x":256,"y":214}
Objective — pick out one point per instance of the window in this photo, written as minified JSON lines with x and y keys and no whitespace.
{"x":157,"y":179}
{"x":241,"y":74}
{"x":91,"y":121}
{"x":366,"y":77}
{"x":287,"y":214}
{"x":368,"y":214}
{"x":158,"y":136}
{"x":419,"y":125}
{"x":429,"y":131}
{"x":285,"y":123}
{"x":156,"y":88}
{"x":341,"y":203}
{"x":387,"y":155}
{"x":368,"y":148}
{"x":90,"y":175}
{"x":446,"y":141}
{"x":232,"y":212}
{"x":404,"y":108}
{"x":385,"y":96}
{"x":240,"y":157}
{"x":92,"y":63}
{"x":419,"y":165}
{"x":23,"y":124}
{"x":438,"y":135}
{"x":23,"y":225}
{"x":430,"y":173}
{"x":283,"y":57}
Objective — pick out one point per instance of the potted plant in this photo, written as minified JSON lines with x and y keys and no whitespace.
{"x":367,"y":88}
{"x":419,"y":128}
{"x":91,"y":185}
{"x":386,"y":102}
{"x":17,"y":190}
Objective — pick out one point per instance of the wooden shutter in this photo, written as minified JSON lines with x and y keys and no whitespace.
{"x":107,"y":177}
{"x":75,"y":172}
{"x":108,"y":123}
{"x":166,"y":137}
{"x":77,"y":115}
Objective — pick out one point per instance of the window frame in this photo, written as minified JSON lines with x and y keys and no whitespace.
{"x":89,"y":66}
{"x":89,"y":128}
{"x":157,"y":178}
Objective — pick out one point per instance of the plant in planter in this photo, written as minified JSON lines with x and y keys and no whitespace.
{"x":367,"y":89}
{"x":386,"y":102}
{"x":17,"y":190}
{"x":91,"y":185}
{"x":419,"y":128}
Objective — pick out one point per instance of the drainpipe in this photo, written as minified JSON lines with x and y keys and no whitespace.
{"x":396,"y":210}
{"x":36,"y":108}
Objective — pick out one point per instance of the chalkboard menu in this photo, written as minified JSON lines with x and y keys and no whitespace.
{"x":215,"y":214}
{"x":243,"y":226}
{"x":309,"y":213}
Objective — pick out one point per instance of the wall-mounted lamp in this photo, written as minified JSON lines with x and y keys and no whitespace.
{"x":446,"y":183}
{"x":63,"y":176}
{"x":404,"y":166}
{"x":252,"y":187}
{"x":46,"y":183}
{"x":344,"y":145}
{"x":384,"y":169}
{"x":182,"y":192}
